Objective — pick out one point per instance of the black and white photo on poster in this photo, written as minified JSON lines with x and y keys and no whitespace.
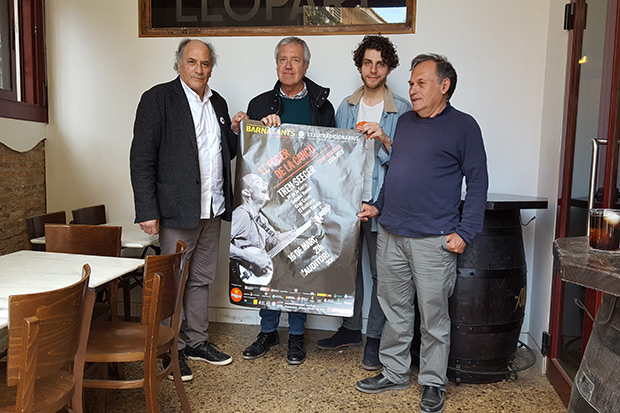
{"x":294,"y":231}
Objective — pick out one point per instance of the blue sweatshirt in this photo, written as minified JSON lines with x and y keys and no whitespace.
{"x":421,"y":193}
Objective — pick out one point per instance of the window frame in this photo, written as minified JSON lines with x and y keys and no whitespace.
{"x":32,"y":103}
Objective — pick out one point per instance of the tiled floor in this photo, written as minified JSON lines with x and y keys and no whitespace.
{"x":325,"y":383}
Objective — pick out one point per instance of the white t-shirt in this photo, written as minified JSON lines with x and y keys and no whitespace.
{"x":368,"y":113}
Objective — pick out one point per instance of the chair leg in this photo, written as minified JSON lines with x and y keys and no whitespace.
{"x":113,"y":299}
{"x":127,"y":298}
{"x":101,"y":393}
{"x":178,"y":383}
{"x":150,"y":384}
{"x":77,"y":400}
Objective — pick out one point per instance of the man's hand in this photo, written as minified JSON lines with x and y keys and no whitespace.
{"x":368,"y":211}
{"x":236,"y":120}
{"x":272,"y":120}
{"x":455,"y":243}
{"x":150,"y":227}
{"x":374,"y":131}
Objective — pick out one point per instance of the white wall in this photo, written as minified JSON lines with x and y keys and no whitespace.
{"x":510,"y":57}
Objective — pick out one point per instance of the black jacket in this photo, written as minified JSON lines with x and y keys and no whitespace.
{"x":321,"y":109}
{"x":165,"y":173}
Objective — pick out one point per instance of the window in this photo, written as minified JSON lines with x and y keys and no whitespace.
{"x":274,"y":17}
{"x":23,"y":83}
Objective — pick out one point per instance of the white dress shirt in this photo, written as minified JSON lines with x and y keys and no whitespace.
{"x":209,"y":143}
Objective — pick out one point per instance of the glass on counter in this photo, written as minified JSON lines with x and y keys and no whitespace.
{"x":605,"y":229}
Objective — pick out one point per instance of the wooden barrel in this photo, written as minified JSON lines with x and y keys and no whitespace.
{"x":488,"y":303}
{"x":597,"y":384}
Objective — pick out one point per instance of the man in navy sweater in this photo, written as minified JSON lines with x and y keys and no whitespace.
{"x":420,"y":228}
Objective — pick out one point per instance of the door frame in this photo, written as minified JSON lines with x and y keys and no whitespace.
{"x":609,"y":127}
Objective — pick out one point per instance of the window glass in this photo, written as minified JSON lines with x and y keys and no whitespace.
{"x":5,"y":47}
{"x":258,"y":17}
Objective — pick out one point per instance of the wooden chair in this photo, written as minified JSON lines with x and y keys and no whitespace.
{"x":113,"y":342}
{"x":35,"y":226}
{"x":90,"y":240}
{"x":95,"y":215}
{"x":92,"y":215}
{"x":47,"y":332}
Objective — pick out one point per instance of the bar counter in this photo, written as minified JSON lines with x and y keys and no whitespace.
{"x":578,"y":264}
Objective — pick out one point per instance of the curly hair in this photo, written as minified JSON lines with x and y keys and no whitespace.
{"x":380,"y":43}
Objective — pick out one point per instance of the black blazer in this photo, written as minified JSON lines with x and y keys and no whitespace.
{"x":165,"y":173}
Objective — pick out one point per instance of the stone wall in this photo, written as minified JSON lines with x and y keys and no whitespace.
{"x":22,"y":194}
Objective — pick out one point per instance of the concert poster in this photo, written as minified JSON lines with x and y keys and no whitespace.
{"x":295,"y":230}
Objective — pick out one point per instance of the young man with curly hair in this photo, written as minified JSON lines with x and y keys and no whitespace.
{"x":374,"y":110}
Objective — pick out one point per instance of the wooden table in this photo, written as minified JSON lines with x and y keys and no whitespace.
{"x":131,"y":236}
{"x":25,"y":272}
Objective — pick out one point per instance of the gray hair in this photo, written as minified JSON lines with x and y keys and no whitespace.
{"x":293,"y":40}
{"x":445,"y":70}
{"x":178,"y":55}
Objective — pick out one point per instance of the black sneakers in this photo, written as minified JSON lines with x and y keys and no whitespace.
{"x":208,"y":352}
{"x":296,"y":353}
{"x":264,"y":342}
{"x":342,"y":338}
{"x":186,"y":372}
{"x":432,"y":400}
{"x":371,"y":354}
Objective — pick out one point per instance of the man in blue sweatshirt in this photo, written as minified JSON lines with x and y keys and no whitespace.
{"x":420,"y":228}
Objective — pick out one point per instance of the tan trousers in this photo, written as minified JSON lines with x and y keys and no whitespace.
{"x":203,"y":244}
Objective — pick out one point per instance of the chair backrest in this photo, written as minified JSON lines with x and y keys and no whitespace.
{"x":35,"y":226}
{"x":173,"y":271}
{"x":46,"y":333}
{"x":92,"y":215}
{"x":83,"y":239}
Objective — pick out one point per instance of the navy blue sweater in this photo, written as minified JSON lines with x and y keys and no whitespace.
{"x":421,"y":194}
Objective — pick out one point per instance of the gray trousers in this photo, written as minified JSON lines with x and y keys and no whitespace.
{"x":376,"y":319}
{"x":406,"y":267}
{"x":203,"y":244}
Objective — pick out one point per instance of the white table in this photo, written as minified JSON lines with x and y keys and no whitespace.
{"x":25,"y":272}
{"x":131,"y":236}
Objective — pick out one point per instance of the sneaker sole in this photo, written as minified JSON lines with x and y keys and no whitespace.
{"x":183,"y":378}
{"x":381,"y":390}
{"x":352,"y":345}
{"x":215,"y":363}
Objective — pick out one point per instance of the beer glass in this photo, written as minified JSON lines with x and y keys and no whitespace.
{"x":605,"y":229}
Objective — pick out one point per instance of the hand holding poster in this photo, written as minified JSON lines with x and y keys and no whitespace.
{"x":294,"y":231}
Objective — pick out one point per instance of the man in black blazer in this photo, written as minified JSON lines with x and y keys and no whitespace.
{"x":180,"y":172}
